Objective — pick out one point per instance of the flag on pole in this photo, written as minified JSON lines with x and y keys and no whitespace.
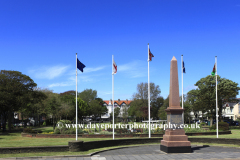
{"x":150,"y":55}
{"x":213,"y":71}
{"x":114,"y":67}
{"x":80,"y":65}
{"x":183,"y":67}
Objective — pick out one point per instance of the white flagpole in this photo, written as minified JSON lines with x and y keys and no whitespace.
{"x":76,"y":98}
{"x":113,"y":95}
{"x":216,"y":97}
{"x":182,"y":91}
{"x":149,"y":96}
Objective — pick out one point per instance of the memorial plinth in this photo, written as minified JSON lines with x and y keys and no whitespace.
{"x":174,"y":139}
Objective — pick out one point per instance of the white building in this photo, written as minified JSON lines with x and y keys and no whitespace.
{"x":231,"y":110}
{"x":117,"y":103}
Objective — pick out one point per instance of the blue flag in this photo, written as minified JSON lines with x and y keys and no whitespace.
{"x":183,"y":67}
{"x":80,"y":66}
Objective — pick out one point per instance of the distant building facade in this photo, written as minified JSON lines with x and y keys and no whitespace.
{"x":117,"y":103}
{"x":231,"y":110}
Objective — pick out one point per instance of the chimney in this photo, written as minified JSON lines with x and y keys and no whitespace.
{"x":118,"y":100}
{"x":110,"y":102}
{"x":127,"y":101}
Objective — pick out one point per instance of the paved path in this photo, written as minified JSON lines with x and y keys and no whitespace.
{"x":152,"y":152}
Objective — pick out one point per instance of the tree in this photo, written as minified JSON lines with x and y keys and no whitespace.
{"x":161,"y":112}
{"x":187,"y":108}
{"x":14,"y":86}
{"x":142,"y":92}
{"x":204,"y":97}
{"x":68,"y":103}
{"x":139,"y":104}
{"x":51,"y":106}
{"x":135,"y":108}
{"x":97,"y":108}
{"x":156,"y":106}
{"x":116,"y":114}
{"x":124,"y":113}
{"x":83,"y":108}
{"x":88,"y":95}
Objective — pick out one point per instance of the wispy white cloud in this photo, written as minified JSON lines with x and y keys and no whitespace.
{"x":49,"y":72}
{"x":190,"y":87}
{"x":72,"y":80}
{"x":88,"y":70}
{"x":62,"y":84}
{"x":134,"y":69}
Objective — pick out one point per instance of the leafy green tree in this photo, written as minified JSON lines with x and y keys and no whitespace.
{"x":187,"y":108}
{"x":135,"y":108}
{"x":142,"y":92}
{"x":68,"y":104}
{"x":97,"y":107}
{"x":116,"y":114}
{"x":156,"y":105}
{"x":50,"y":107}
{"x":204,"y":97}
{"x":88,"y":95}
{"x":139,"y":104}
{"x":83,"y":108}
{"x":14,"y":86}
{"x":161,"y":112}
{"x":125,"y":113}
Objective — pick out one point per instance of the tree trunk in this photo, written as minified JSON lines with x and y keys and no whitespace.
{"x":9,"y":121}
{"x":39,"y":120}
{"x":99,"y":126}
{"x":54,"y":123}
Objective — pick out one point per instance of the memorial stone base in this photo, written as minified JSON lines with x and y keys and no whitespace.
{"x":175,"y":141}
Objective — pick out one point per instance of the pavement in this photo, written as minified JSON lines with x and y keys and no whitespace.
{"x":151,"y":152}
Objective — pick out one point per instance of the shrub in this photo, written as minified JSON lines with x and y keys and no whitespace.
{"x":202,"y":124}
{"x":57,"y":131}
{"x":221,"y":126}
{"x":28,"y":130}
{"x":65,"y":121}
{"x":44,"y":123}
{"x":234,"y":127}
{"x":158,"y":130}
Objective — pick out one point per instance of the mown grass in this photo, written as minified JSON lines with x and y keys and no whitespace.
{"x":95,"y":150}
{"x":65,"y":153}
{"x":235,"y":135}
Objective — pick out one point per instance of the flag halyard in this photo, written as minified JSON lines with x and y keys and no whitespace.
{"x":80,"y":65}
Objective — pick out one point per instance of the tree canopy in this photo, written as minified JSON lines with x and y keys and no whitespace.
{"x":204,"y":97}
{"x":16,"y":90}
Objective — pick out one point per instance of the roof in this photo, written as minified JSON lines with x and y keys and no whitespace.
{"x":119,"y":102}
{"x":229,"y":104}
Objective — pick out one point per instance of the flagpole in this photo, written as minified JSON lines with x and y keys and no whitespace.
{"x":113,"y":95}
{"x":216,"y":98}
{"x":76,"y":98}
{"x":149,"y":96}
{"x":182,"y":91}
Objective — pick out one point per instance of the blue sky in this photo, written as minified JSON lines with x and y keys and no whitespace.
{"x":41,"y":38}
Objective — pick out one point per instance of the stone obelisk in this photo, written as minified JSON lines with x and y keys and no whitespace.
{"x":174,"y":140}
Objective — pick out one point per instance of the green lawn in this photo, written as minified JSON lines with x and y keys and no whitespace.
{"x":235,"y":135}
{"x":15,"y":140}
{"x":93,"y":150}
